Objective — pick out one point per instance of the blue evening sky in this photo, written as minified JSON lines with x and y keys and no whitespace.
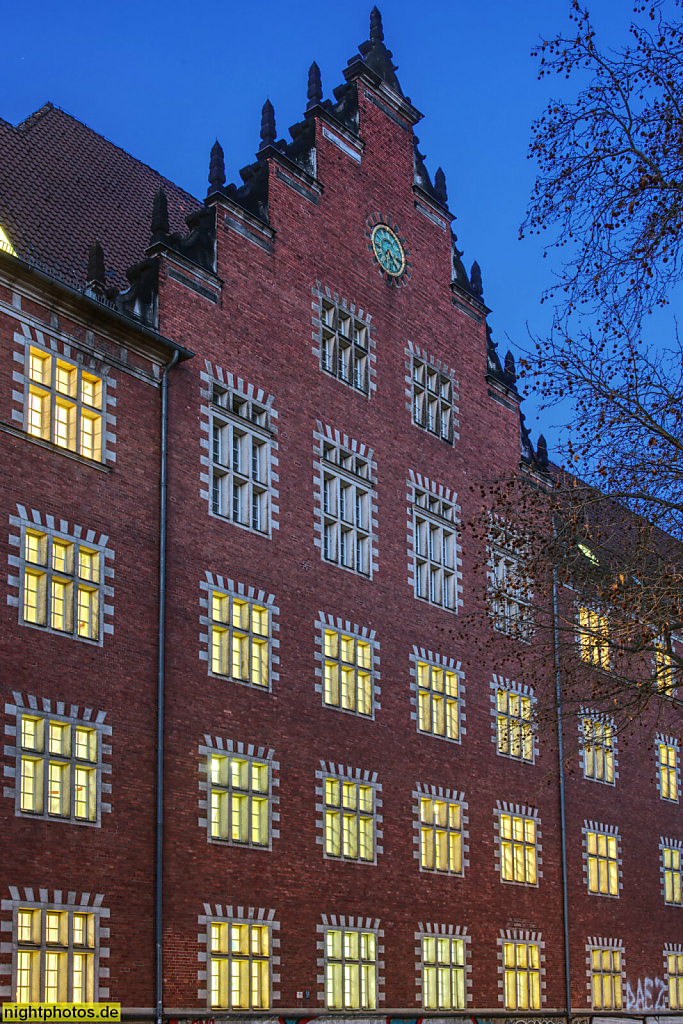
{"x":164,"y":80}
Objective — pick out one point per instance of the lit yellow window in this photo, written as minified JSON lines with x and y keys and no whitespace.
{"x":668,"y":778}
{"x":348,"y":673}
{"x":61,"y":605}
{"x":58,"y":769}
{"x":6,"y":246}
{"x":35,"y":548}
{"x":603,"y":864}
{"x":593,"y":637}
{"x":240,"y":800}
{"x":35,"y":597}
{"x":664,"y":666}
{"x":240,"y":645}
{"x":349,"y":820}
{"x":437,"y":701}
{"x":672,"y":875}
{"x":443,"y":973}
{"x":58,"y":738}
{"x":518,"y":852}
{"x":350,"y":970}
{"x":85,"y":745}
{"x":89,"y":565}
{"x":522,"y":976}
{"x":514,"y":725}
{"x":64,"y":404}
{"x":675,"y":977}
{"x":606,"y":979}
{"x":31,"y":733}
{"x":28,"y":976}
{"x":91,"y":391}
{"x":48,"y":596}
{"x":240,"y":966}
{"x":64,"y":964}
{"x":440,"y":835}
{"x":598,"y":750}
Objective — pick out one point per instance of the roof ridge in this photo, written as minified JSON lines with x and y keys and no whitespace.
{"x":29,"y":121}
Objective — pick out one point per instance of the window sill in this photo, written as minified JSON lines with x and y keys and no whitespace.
{"x":7,"y":428}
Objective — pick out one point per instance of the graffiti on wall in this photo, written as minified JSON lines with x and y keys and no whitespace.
{"x":649,"y":994}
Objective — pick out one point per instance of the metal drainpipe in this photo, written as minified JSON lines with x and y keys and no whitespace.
{"x":563,"y":826}
{"x":159,"y":844}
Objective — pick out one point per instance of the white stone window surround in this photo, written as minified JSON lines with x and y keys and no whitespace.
{"x":518,"y":810}
{"x":345,"y":773}
{"x":320,"y":292}
{"x":52,"y":526}
{"x":326,"y":621}
{"x":429,"y":930}
{"x":237,"y":915}
{"x":49,"y":341}
{"x":515,"y":594}
{"x":73,"y":714}
{"x":606,"y":719}
{"x":365,"y":924}
{"x":522,"y":690}
{"x":607,"y":830}
{"x":412,"y":352}
{"x":216,"y":745}
{"x":243,"y":592}
{"x":216,"y":375}
{"x":675,"y":949}
{"x":669,"y":741}
{"x":668,"y":844}
{"x":46,"y":899}
{"x":421,"y":483}
{"x":452,"y":796}
{"x":596,"y":942}
{"x":326,"y":435}
{"x":520,"y":935}
{"x":450,"y":665}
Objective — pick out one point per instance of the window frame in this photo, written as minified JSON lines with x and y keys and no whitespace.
{"x":229,"y":957}
{"x":433,"y":507}
{"x":517,"y":937}
{"x":419,"y":359}
{"x":324,"y":331}
{"x":606,"y":722}
{"x":674,"y":950}
{"x":524,"y":693}
{"x":223,"y":587}
{"x":360,"y":634}
{"x":592,"y":637}
{"x":358,"y":777}
{"x":449,"y":797}
{"x":527,"y":814}
{"x":449,"y":933}
{"x":360,"y":931}
{"x":515,"y":619}
{"x":218,"y":747}
{"x":612,"y":946}
{"x":610,"y":832}
{"x":331,"y":477}
{"x":673,"y":772}
{"x":674,"y":869}
{"x":419,"y":656}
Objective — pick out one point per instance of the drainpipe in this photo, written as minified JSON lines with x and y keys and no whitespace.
{"x":563,"y":824}
{"x":158,"y":867}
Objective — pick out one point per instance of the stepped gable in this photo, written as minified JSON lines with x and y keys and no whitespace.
{"x":64,"y":185}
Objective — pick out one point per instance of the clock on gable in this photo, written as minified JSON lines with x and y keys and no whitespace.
{"x":388,"y":250}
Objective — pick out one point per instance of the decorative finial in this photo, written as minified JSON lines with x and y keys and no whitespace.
{"x":542,"y":450}
{"x":95,"y":276}
{"x":216,"y":167}
{"x":315,"y":86}
{"x":475,"y":281}
{"x":160,"y":227}
{"x":440,"y":191}
{"x":267,"y":125}
{"x":509,"y":367}
{"x":376,"y":30}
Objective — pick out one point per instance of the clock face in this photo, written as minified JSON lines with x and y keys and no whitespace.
{"x":388,"y":250}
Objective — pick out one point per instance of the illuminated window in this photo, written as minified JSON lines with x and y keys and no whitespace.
{"x":435,"y":549}
{"x":240,"y":639}
{"x":443,"y":972}
{"x":606,"y":976}
{"x":5,"y":244}
{"x":522,"y":975}
{"x":348,"y":672}
{"x":664,"y":665}
{"x":240,"y":790}
{"x":672,"y":871}
{"x":241,"y":449}
{"x":59,"y":768}
{"x":441,"y":846}
{"x":56,"y":955}
{"x":239,"y":965}
{"x":518,"y":849}
{"x":433,"y":399}
{"x":603,"y":862}
{"x":674,"y":970}
{"x":668,"y":771}
{"x":349,"y":819}
{"x":598,"y":750}
{"x":62,"y":584}
{"x":347,"y":508}
{"x":64,"y":403}
{"x":344,"y":346}
{"x":438,"y":700}
{"x":350,"y":969}
{"x":514,"y":724}
{"x":593,"y":638}
{"x":509,"y":584}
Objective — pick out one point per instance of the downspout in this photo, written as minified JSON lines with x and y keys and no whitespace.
{"x":158,"y":866}
{"x":563,"y":824}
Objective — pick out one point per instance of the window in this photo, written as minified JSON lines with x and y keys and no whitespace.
{"x":349,"y":820}
{"x":240,"y":456}
{"x":433,"y":399}
{"x":593,"y":638}
{"x":64,"y":404}
{"x":59,"y":768}
{"x":522,"y":975}
{"x":347,"y":508}
{"x":240,"y":799}
{"x":56,"y":955}
{"x":62,"y":584}
{"x":606,"y":968}
{"x":514,"y":724}
{"x":344,"y":343}
{"x":435,"y":549}
{"x":598,"y":750}
{"x":668,"y":771}
{"x":240,"y":639}
{"x":350,"y":969}
{"x":672,"y":872}
{"x":441,"y":835}
{"x":438,"y":700}
{"x":509,"y":584}
{"x":674,"y":970}
{"x":348,"y":672}
{"x":443,"y":972}
{"x":518,"y":850}
{"x":239,"y":965}
{"x":603,"y":862}
{"x":664,"y":665}
{"x":5,"y":244}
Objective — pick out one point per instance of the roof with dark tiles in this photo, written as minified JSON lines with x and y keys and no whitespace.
{"x":63,"y":186}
